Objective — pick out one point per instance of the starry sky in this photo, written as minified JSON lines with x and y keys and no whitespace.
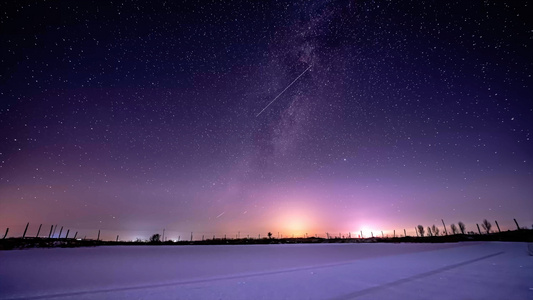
{"x":134,"y":116}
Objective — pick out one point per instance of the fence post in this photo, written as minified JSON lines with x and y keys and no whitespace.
{"x":98,"y":238}
{"x":404,"y":233}
{"x":117,"y":238}
{"x":68,"y":230}
{"x":394,"y":233}
{"x":61,"y":230}
{"x":416,"y":230}
{"x":75,"y":235}
{"x":361,"y":234}
{"x":498,"y":226}
{"x":24,"y":235}
{"x":38,"y":231}
{"x":50,"y":234}
{"x":478,"y":228}
{"x":7,"y":230}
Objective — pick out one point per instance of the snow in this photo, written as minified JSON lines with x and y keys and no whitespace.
{"x":489,"y":270}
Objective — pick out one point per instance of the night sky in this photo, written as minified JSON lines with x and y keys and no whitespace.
{"x":138,"y":116}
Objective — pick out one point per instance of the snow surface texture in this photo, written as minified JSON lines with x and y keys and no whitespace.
{"x":307,"y":271}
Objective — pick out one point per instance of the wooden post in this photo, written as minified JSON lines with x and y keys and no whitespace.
{"x":98,"y":238}
{"x":191,"y":236}
{"x":117,"y":238}
{"x":416,"y":230}
{"x":50,"y":234}
{"x":445,"y":231}
{"x":163,"y":237}
{"x":404,"y":233}
{"x":61,"y":230}
{"x":498,"y":226}
{"x":372,"y":234}
{"x":53,"y":233}
{"x":361,"y":234}
{"x":75,"y":235}
{"x":38,"y":231}
{"x":394,"y":233}
{"x":478,"y":228}
{"x":68,"y":230}
{"x":382,"y":236}
{"x":7,"y":230}
{"x":202,"y":237}
{"x":517,"y":227}
{"x":24,"y":235}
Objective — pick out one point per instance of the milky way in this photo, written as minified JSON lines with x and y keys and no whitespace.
{"x":131,"y":117}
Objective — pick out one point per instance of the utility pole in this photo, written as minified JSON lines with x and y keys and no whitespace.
{"x":24,"y":235}
{"x":38,"y":231}
{"x":517,"y":227}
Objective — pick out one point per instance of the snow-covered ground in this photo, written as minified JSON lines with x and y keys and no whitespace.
{"x":487,"y":270}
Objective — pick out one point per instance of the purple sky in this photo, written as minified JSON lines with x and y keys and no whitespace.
{"x":134,"y":117}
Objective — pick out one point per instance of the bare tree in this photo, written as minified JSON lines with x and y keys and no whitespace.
{"x":454,"y":228}
{"x":156,"y":238}
{"x":435,"y":230}
{"x":421,"y":230}
{"x":430,"y":233}
{"x":461,"y":227}
{"x":486,"y":225}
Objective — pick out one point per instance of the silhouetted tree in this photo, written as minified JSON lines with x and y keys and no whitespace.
{"x":430,"y":233}
{"x":454,"y":228}
{"x":435,"y":230}
{"x":461,"y":227}
{"x":269,"y":235}
{"x":486,"y":225}
{"x":421,"y":230}
{"x":156,"y":238}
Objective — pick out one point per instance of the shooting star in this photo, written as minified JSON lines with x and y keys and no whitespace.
{"x":284,"y":90}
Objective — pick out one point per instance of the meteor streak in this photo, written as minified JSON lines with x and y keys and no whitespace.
{"x":283,"y":91}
